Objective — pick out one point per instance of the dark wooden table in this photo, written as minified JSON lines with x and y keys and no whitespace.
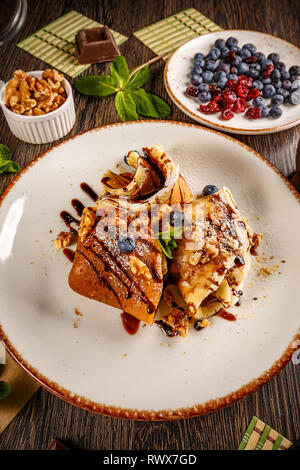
{"x":276,"y":403}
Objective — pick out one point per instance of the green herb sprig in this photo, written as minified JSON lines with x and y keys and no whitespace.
{"x":6,"y":165}
{"x":131,"y":100}
{"x":4,"y":389}
{"x":167,"y":242}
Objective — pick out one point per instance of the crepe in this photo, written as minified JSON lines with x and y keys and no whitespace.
{"x":212,"y":259}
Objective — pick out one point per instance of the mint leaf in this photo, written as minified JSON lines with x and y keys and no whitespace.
{"x":96,"y":85}
{"x":4,"y":152}
{"x":125,"y":105}
{"x":150,"y":105}
{"x":4,"y":389}
{"x":7,"y":166}
{"x":139,"y":79}
{"x":119,"y":71}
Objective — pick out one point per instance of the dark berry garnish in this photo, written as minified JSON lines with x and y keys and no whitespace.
{"x":210,"y":189}
{"x":269,"y":91}
{"x":126,"y":244}
{"x":227,"y":114}
{"x":192,"y":91}
{"x":166,"y":329}
{"x":176,"y":218}
{"x":197,"y":325}
{"x":239,"y":261}
{"x":253,"y":113}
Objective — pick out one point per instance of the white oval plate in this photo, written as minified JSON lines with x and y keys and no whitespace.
{"x":147,"y":376}
{"x":177,"y":78}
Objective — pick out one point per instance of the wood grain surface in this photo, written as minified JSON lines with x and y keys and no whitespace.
{"x":276,"y":403}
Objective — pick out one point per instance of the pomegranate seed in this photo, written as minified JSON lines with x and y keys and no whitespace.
{"x":251,"y":60}
{"x":253,"y":113}
{"x":240,"y":105}
{"x":227,"y":114}
{"x":192,"y":91}
{"x":231,"y":84}
{"x":242,"y":91}
{"x":229,"y":96}
{"x":253,"y":93}
{"x":231,"y":56}
{"x":268,"y":71}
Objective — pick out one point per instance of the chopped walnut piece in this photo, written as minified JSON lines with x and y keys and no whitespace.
{"x":88,"y":220}
{"x":24,"y":93}
{"x":63,"y":240}
{"x":139,"y":268}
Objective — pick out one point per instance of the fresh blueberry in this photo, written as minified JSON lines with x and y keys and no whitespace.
{"x":265,"y":81}
{"x":207,"y":76}
{"x":251,"y":48}
{"x":214,"y":54}
{"x":295,"y":85}
{"x":293,"y":78}
{"x":244,"y":53}
{"x":197,"y":70}
{"x":243,"y":68}
{"x":260,"y":55}
{"x":253,"y":73}
{"x":216,"y":51}
{"x":276,"y":75}
{"x":275,"y":112}
{"x":232,"y":76}
{"x":294,"y":97}
{"x":210,"y":189}
{"x":196,"y":79}
{"x":284,"y":75}
{"x":276,"y":100}
{"x":211,"y":65}
{"x":269,"y":90}
{"x":265,"y":111}
{"x":265,"y":62}
{"x":176,"y":218}
{"x":258,"y":102}
{"x":199,"y":55}
{"x":224,"y":51}
{"x":295,"y":70}
{"x":218,"y":75}
{"x":231,"y":42}
{"x":222,"y":82}
{"x":274,"y":57}
{"x":237,"y":61}
{"x":286,"y":84}
{"x":220,"y":43}
{"x":277,"y":84}
{"x":203,"y":87}
{"x":281,"y":66}
{"x":126,"y":244}
{"x":224,"y":68}
{"x":235,"y":49}
{"x":282,"y":91}
{"x":199,"y":62}
{"x":204,"y":96}
{"x":258,"y":84}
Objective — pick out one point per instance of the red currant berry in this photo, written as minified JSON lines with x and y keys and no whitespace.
{"x":241,"y":91}
{"x":253,"y":93}
{"x":253,"y":113}
{"x":231,"y":84}
{"x":240,"y":105}
{"x":192,"y":91}
{"x":227,"y":114}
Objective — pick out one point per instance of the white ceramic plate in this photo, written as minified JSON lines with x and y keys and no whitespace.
{"x":147,"y":376}
{"x":177,"y":78}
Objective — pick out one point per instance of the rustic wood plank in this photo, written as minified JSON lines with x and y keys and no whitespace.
{"x":277,"y":403}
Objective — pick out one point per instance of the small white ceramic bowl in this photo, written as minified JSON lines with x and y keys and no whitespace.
{"x":41,"y":129}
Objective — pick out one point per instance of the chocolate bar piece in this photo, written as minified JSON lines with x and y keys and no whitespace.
{"x":95,"y":45}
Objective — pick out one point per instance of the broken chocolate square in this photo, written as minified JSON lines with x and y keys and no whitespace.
{"x":95,"y":45}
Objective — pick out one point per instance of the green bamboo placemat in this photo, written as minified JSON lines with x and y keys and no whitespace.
{"x":54,"y":43}
{"x":260,"y":436}
{"x":168,"y":34}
